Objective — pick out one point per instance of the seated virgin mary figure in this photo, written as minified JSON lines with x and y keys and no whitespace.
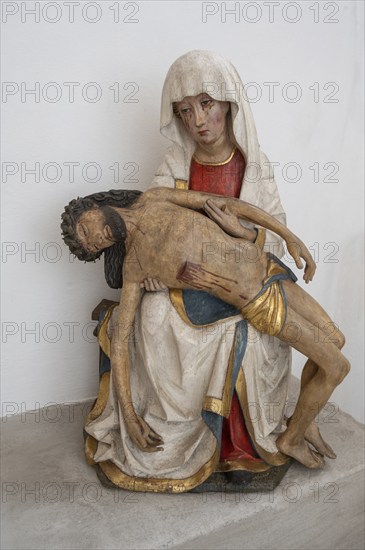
{"x":208,"y":382}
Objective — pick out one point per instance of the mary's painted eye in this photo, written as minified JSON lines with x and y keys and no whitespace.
{"x":185,"y":110}
{"x":206,"y":102}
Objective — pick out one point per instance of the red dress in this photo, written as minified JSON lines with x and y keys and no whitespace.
{"x":225,"y":178}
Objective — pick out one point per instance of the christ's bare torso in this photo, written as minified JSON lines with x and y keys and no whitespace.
{"x":169,"y":237}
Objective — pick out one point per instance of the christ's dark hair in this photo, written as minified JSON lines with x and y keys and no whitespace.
{"x":114,"y":255}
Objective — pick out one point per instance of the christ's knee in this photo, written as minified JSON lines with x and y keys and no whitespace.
{"x":346,"y":367}
{"x":334,"y":335}
{"x":338,"y":372}
{"x":341,"y":340}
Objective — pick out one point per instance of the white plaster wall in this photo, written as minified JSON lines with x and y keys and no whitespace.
{"x":43,"y":290}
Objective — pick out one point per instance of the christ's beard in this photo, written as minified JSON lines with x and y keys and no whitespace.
{"x":115,"y":222}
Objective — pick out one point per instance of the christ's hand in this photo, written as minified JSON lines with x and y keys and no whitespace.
{"x":298,"y":250}
{"x":142,"y":435}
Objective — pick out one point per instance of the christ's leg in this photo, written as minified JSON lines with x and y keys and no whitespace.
{"x":332,"y":334}
{"x":326,"y":370}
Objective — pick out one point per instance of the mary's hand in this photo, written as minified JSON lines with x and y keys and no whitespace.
{"x":142,"y":435}
{"x":224,"y":218}
{"x":153,"y":285}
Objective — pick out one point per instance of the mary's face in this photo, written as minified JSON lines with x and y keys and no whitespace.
{"x":204,"y":118}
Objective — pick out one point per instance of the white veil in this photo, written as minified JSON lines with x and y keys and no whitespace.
{"x":199,"y":72}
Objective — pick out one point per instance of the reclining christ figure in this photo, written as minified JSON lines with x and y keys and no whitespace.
{"x":167,"y":234}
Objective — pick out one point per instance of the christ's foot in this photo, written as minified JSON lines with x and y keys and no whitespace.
{"x":300,"y":451}
{"x":313,"y":436}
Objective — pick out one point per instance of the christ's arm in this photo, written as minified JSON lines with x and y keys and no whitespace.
{"x":197,"y":200}
{"x":138,"y":430}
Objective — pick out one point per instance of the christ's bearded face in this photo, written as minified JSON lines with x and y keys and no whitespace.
{"x":100,"y":228}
